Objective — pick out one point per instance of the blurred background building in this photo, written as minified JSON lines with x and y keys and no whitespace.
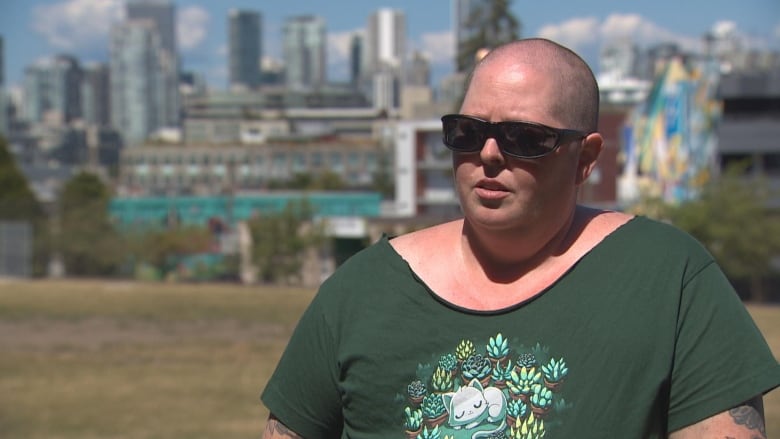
{"x":164,"y":141}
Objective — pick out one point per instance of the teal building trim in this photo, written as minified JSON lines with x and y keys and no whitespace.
{"x":199,"y":210}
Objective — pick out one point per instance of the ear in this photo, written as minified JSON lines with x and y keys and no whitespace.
{"x":591,"y":149}
{"x":447,"y":399}
{"x":476,"y":384}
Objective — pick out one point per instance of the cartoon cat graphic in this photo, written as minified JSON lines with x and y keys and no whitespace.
{"x":473,"y":405}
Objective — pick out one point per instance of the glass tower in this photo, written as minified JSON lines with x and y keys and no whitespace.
{"x":304,"y":52}
{"x":245,"y":48}
{"x":136,"y":78}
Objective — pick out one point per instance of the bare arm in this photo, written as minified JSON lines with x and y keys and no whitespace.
{"x":745,"y":421}
{"x":274,"y":429}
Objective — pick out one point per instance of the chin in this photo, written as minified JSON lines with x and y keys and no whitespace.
{"x":487,"y":218}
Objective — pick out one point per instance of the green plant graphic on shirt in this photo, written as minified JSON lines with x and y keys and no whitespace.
{"x":464,"y":350}
{"x":506,"y":390}
{"x":416,"y":391}
{"x":555,"y":372}
{"x":497,"y":347}
{"x":476,"y":367}
{"x":442,"y":380}
{"x":449,"y":362}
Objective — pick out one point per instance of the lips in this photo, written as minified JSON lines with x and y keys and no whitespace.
{"x":491,"y":185}
{"x":490,"y":189}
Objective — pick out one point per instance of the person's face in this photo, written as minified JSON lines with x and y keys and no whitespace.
{"x":502,"y":192}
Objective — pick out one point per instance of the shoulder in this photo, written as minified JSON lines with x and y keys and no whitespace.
{"x":424,"y":244}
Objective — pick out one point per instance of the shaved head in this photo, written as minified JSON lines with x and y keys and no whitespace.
{"x":577,"y":100}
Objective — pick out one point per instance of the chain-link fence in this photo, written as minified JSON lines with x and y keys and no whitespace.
{"x":16,"y":248}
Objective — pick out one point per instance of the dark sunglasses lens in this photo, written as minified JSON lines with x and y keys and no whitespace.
{"x":463,"y":134}
{"x":522,"y":140}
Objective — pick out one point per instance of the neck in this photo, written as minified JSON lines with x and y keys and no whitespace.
{"x":505,"y":256}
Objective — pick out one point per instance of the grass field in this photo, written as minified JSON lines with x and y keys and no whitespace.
{"x":94,"y":359}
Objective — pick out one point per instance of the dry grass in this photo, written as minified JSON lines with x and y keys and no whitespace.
{"x":94,"y":359}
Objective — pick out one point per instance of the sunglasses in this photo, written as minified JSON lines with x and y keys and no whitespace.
{"x":524,"y":140}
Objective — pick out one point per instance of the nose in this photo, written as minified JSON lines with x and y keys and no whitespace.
{"x":490,"y":153}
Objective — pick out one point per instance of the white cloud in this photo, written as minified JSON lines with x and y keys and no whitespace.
{"x":575,"y":34}
{"x":77,"y":24}
{"x":338,"y":53}
{"x":438,"y":47}
{"x":589,"y":34}
{"x":339,"y":45}
{"x":192,"y":25}
{"x":643,"y":32}
{"x":84,"y":25}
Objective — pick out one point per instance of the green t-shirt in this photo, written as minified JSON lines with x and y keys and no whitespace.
{"x":643,"y":336}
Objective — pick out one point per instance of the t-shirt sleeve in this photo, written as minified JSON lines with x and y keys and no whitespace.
{"x":721,"y":359}
{"x":303,"y":391}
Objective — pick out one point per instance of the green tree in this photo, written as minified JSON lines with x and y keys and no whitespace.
{"x":280,"y":241}
{"x":383,"y":181}
{"x":161,"y":248}
{"x":489,"y":25}
{"x":18,"y":203}
{"x":17,"y":200}
{"x":87,"y":240}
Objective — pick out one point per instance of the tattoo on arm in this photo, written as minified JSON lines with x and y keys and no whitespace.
{"x":274,"y":428}
{"x":751,"y":415}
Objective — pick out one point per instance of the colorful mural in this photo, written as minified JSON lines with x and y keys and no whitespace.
{"x":670,"y":140}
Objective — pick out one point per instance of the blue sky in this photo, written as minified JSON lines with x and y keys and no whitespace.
{"x":36,"y":29}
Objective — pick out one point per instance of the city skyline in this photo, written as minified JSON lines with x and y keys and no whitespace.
{"x":43,"y":29}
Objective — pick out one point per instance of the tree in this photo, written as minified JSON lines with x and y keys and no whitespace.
{"x":280,"y":241}
{"x":161,"y":248}
{"x":17,"y":200}
{"x":88,"y":241}
{"x":489,"y":24}
{"x":383,"y":180}
{"x":18,"y":203}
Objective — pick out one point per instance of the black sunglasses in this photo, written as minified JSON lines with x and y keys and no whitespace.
{"x":525,"y":140}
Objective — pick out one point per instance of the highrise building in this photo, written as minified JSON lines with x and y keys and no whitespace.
{"x":418,"y":72}
{"x":385,"y":41}
{"x":304,"y":52}
{"x":618,"y":59}
{"x":245,"y":48}
{"x":355,"y":59}
{"x":52,"y":90}
{"x":95,"y":97}
{"x":385,"y":48}
{"x":162,"y":14}
{"x":137,"y":70}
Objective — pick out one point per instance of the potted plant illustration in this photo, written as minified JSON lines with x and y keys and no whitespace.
{"x":541,"y":400}
{"x":516,"y":409}
{"x":527,"y":360}
{"x":429,"y":434}
{"x":521,"y":382}
{"x":497,"y":349}
{"x":476,"y":366}
{"x":449,"y":362}
{"x":441,"y":381}
{"x":433,"y":410}
{"x":531,"y":428}
{"x":464,"y":350}
{"x":554,"y":373}
{"x":502,"y":374}
{"x":416,"y":390}
{"x":413,"y":422}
